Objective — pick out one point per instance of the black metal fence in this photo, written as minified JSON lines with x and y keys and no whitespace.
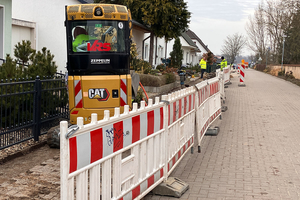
{"x":212,"y":68}
{"x":29,"y":108}
{"x":2,"y":61}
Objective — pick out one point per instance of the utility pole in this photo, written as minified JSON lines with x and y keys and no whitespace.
{"x":284,"y":36}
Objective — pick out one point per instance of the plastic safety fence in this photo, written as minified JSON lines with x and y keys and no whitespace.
{"x":226,"y":74}
{"x":115,"y":158}
{"x":209,"y":105}
{"x":128,"y":155}
{"x":181,"y":126}
{"x":220,"y":75}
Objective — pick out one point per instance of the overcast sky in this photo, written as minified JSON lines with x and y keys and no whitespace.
{"x":214,"y":20}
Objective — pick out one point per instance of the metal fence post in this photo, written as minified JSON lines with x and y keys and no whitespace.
{"x":37,"y":109}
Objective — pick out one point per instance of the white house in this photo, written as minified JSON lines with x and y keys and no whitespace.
{"x":5,"y":28}
{"x":138,"y":32}
{"x":202,"y":47}
{"x":191,"y":52}
{"x":42,"y":22}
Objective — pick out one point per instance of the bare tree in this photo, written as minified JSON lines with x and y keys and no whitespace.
{"x":256,"y":30}
{"x":233,"y":46}
{"x":266,"y":28}
{"x":278,"y":15}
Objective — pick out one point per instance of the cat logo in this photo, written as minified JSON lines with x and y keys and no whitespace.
{"x":99,"y":94}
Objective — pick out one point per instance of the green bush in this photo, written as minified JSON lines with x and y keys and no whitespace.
{"x":17,"y":106}
{"x":28,"y":63}
{"x":161,"y":67}
{"x":195,"y":68}
{"x":154,"y":72}
{"x":139,"y":97}
{"x":170,"y":78}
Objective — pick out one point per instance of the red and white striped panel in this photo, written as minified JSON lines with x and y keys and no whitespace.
{"x":78,"y":94}
{"x":242,"y":74}
{"x":214,"y":88}
{"x":123,"y":92}
{"x":203,"y":94}
{"x":209,"y":121}
{"x":91,"y":146}
{"x":179,"y":108}
{"x":215,"y":115}
{"x":178,"y":155}
{"x":227,"y":75}
{"x":144,"y":186}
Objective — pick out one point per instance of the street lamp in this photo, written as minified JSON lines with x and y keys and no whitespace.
{"x":284,"y":36}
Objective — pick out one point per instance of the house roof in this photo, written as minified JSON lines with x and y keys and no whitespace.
{"x":189,"y":41}
{"x":192,"y":35}
{"x":140,"y":27}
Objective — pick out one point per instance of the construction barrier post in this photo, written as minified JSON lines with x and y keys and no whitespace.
{"x":242,"y":76}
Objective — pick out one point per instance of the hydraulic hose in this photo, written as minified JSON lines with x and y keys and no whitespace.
{"x":144,"y":91}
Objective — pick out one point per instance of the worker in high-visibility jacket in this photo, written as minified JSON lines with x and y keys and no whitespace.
{"x":223,"y":63}
{"x":203,"y":65}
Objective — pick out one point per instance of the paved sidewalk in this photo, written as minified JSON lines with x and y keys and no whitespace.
{"x":257,"y":153}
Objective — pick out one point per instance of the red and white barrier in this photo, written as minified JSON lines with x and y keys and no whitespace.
{"x":123,"y":91}
{"x":226,"y":75}
{"x":242,"y":75}
{"x":209,"y":105}
{"x":181,"y":115}
{"x":92,"y":157}
{"x":220,"y":75}
{"x":78,"y":94}
{"x":128,"y":155}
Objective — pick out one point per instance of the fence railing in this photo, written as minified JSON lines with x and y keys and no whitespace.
{"x":2,"y":61}
{"x":29,"y":108}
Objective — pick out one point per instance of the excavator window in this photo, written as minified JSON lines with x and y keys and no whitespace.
{"x":98,"y":36}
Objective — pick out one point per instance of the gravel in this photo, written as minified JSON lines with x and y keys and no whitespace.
{"x":21,"y":148}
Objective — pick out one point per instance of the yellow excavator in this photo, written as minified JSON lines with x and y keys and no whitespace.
{"x":98,"y":59}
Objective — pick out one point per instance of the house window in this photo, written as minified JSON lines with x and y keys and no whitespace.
{"x":187,"y":57}
{"x":162,"y":52}
{"x":146,"y":51}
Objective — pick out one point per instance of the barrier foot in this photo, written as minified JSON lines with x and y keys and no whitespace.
{"x":242,"y":85}
{"x":220,"y":117}
{"x":199,"y":149}
{"x":173,"y":187}
{"x":224,"y":108}
{"x":212,"y":131}
{"x":192,"y":150}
